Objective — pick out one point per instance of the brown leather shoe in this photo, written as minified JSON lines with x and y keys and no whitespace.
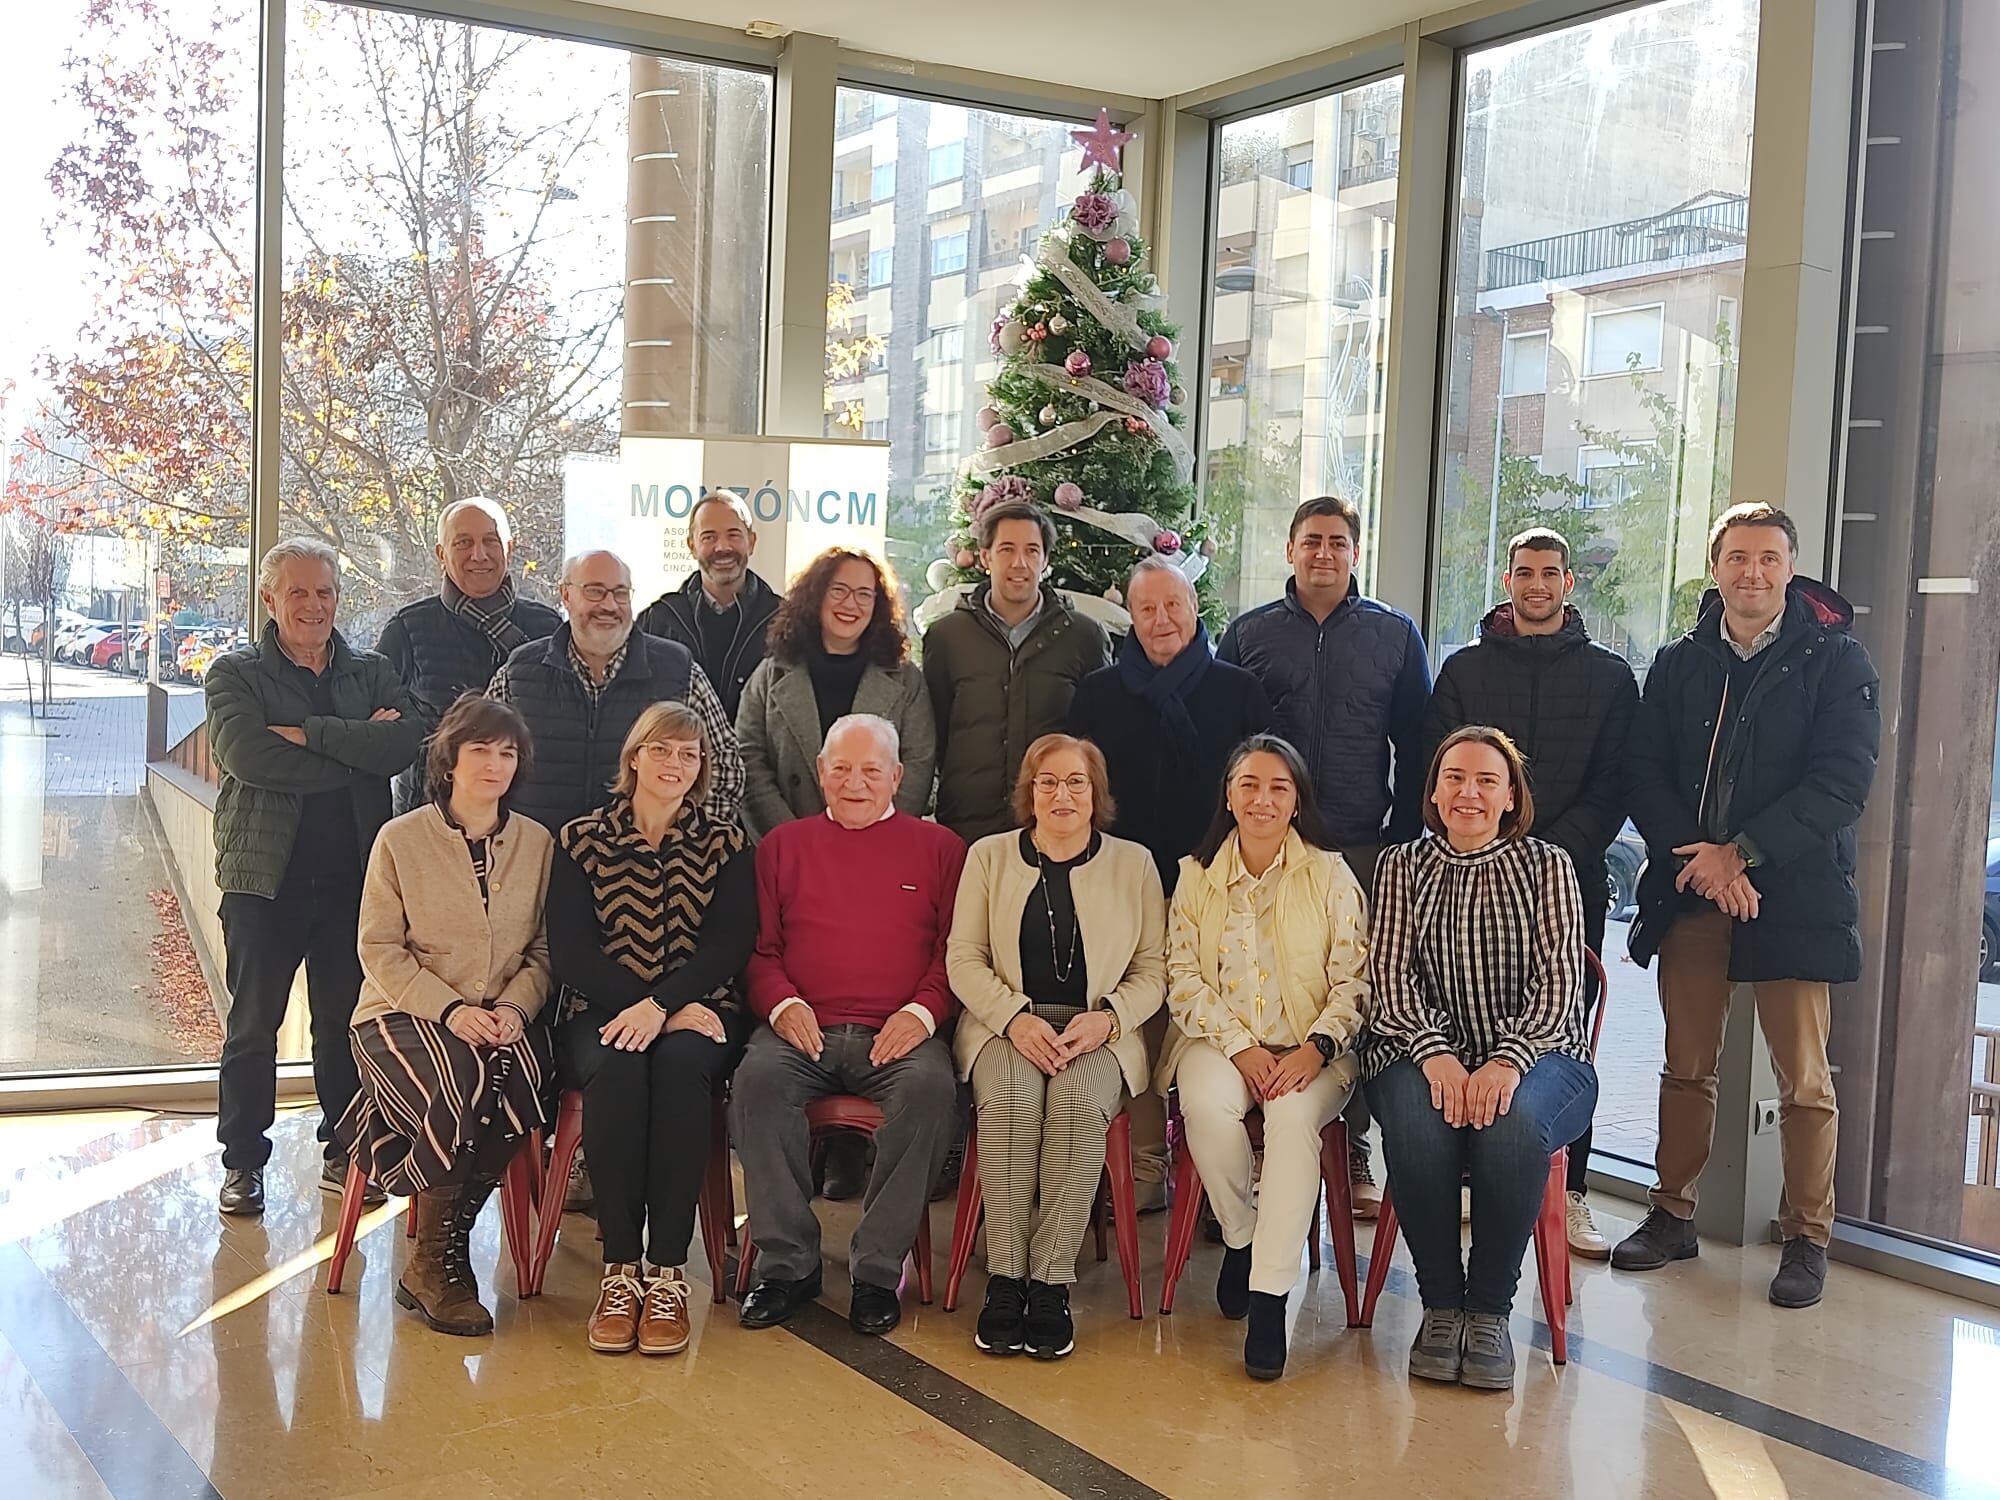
{"x":614,"y":1322}
{"x":664,"y":1326}
{"x":434,"y":1285}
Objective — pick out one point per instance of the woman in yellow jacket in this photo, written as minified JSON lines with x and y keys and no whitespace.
{"x":1267,"y":983}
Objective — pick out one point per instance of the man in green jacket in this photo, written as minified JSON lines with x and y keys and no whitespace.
{"x":306,"y":732}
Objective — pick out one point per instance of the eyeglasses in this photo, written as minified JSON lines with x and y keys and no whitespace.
{"x":1076,"y":786}
{"x":683,"y":752}
{"x":597,"y":593}
{"x":840,"y":593}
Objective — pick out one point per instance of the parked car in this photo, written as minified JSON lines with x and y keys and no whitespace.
{"x":134,"y":647}
{"x":76,"y":645}
{"x":1623,"y":861}
{"x":109,"y":648}
{"x":1989,"y":917}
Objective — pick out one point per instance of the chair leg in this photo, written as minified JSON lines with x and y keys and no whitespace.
{"x":1551,"y":1257}
{"x":1125,"y":1208}
{"x":923,"y":1257}
{"x":350,"y":1217}
{"x":555,"y":1183}
{"x":965,"y":1221}
{"x":517,"y":1211}
{"x":746,"y":1256}
{"x":1181,"y":1226}
{"x":1379,"y":1254}
{"x":712,"y":1207}
{"x":1312,"y":1239}
{"x":1340,"y":1214}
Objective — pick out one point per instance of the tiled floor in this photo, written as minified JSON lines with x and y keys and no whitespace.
{"x":148,"y":1347}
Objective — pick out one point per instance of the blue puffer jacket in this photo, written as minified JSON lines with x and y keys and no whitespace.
{"x":1345,"y":690}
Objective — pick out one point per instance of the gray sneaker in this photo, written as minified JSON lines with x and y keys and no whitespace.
{"x":1436,"y":1354}
{"x":1489,"y":1353}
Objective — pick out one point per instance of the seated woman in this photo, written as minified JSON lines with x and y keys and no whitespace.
{"x":1057,"y":954}
{"x":836,"y":647}
{"x":1478,"y":1063}
{"x":455,"y":967}
{"x":1267,"y":985}
{"x":652,"y":915}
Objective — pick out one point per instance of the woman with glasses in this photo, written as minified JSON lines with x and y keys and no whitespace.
{"x":836,"y":647}
{"x":1058,"y":954}
{"x":652,"y":915}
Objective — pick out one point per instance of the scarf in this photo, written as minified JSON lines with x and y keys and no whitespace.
{"x":493,"y":615}
{"x":1166,"y":689}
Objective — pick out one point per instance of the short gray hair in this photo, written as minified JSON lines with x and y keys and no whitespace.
{"x":570,"y":563}
{"x":492,"y":508}
{"x":1154,"y":563}
{"x":292,"y":548}
{"x":880,"y":727}
{"x":724,"y":497}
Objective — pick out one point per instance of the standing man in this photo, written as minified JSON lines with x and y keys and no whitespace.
{"x":1349,"y":684}
{"x":721,"y":611}
{"x":1568,"y":704}
{"x":306,"y":732}
{"x":1751,"y":757}
{"x":1166,"y":714}
{"x":585,"y":686}
{"x":1002,"y":668}
{"x":453,"y":641}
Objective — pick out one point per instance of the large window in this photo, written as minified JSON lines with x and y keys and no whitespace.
{"x":1591,"y":377}
{"x":942,"y":253}
{"x":1305,"y":222}
{"x":500,"y":252}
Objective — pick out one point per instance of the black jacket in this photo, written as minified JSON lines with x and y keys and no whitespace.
{"x":1568,"y":703}
{"x":1790,"y":771}
{"x":439,"y":655}
{"x":673,"y":617}
{"x":1344,"y":690}
{"x":1161,"y":802}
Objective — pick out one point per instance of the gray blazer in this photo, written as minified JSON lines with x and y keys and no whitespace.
{"x":777,"y":727}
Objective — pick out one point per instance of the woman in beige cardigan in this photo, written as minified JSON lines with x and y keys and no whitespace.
{"x":1057,"y":953}
{"x":455,"y":966}
{"x":1267,"y":969}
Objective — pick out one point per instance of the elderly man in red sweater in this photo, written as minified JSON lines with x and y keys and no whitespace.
{"x":853,"y":911}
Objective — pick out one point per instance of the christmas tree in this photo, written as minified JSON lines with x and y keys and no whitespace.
{"x":1085,"y":416}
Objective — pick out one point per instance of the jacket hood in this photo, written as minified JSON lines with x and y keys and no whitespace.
{"x":1807,"y":600}
{"x":1498,"y":625}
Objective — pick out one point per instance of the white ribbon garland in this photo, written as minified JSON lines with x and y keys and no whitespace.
{"x":1052,"y":255}
{"x":1027,"y":450}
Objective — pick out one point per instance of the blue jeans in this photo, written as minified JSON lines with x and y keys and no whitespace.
{"x":1507,"y":1164}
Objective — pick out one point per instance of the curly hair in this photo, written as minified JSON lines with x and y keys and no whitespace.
{"x":795,"y":626}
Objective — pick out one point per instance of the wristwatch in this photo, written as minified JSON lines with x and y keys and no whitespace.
{"x":1116,"y":1030}
{"x":1328,"y":1047}
{"x":1745,"y":851}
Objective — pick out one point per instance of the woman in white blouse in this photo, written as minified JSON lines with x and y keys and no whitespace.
{"x":1267,"y":967}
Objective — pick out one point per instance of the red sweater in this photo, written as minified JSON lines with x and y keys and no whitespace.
{"x":854,"y":920}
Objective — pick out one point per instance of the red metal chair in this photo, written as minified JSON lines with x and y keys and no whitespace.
{"x":824,"y":1117}
{"x":1552,"y":1268}
{"x":1189,"y":1194}
{"x":716,"y":1206}
{"x":1124,"y":1213}
{"x":519,"y":1189}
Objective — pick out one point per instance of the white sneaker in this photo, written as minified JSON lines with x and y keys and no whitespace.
{"x":1584,"y":1239}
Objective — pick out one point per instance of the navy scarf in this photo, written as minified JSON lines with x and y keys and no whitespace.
{"x":1168,"y":688}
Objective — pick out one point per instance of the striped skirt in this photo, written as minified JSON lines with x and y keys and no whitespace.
{"x":429,"y":1098}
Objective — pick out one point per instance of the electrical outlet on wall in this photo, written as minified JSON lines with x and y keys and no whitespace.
{"x":1767,"y":1116}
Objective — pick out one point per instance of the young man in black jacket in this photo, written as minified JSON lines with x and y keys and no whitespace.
{"x":722,"y":611}
{"x":1751,"y":757}
{"x":1568,"y":703}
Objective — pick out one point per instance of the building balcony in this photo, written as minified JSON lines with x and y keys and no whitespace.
{"x":1712,"y":223}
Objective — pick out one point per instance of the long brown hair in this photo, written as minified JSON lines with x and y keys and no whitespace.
{"x":1518,"y":819}
{"x":795,"y":627}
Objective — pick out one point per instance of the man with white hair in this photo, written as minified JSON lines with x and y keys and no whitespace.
{"x":1166,"y":714}
{"x":581,"y":689}
{"x":452,"y":641}
{"x":306,"y":732}
{"x":853,"y":912}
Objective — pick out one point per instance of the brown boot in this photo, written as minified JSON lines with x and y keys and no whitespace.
{"x":437,"y":1285}
{"x":664,"y":1326}
{"x":614,"y":1322}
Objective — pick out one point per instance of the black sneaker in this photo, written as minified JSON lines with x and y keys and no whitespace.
{"x":1049,"y":1333}
{"x":1003,"y":1321}
{"x":1801,"y":1277}
{"x":1660,"y":1237}
{"x":1232,"y":1283}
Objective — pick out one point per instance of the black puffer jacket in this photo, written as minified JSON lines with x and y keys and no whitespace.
{"x":1344,"y":690}
{"x":1791,"y":771}
{"x":673,"y":617}
{"x":439,"y":655}
{"x":1568,"y":703}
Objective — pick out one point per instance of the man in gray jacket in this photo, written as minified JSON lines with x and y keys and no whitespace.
{"x":306,"y":732}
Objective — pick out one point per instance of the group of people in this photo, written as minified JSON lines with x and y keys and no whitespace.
{"x":742,"y":845}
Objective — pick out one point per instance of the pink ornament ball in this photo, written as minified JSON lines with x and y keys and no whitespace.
{"x":1069,"y":496}
{"x":1159,"y":346}
{"x":999,"y":435}
{"x":1118,"y":251}
{"x":1167,"y":541}
{"x":1077,"y":365}
{"x":986,"y":417}
{"x":965,"y":557}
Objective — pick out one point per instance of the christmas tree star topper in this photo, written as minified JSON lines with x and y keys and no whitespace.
{"x":1101,"y":142}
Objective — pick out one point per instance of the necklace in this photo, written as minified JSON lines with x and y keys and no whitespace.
{"x":1063,"y":967}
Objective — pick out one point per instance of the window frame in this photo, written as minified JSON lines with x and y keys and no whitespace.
{"x":1591,"y":318}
